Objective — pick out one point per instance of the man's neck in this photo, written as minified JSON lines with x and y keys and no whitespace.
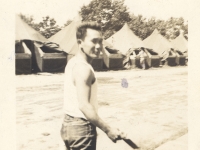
{"x":83,"y":56}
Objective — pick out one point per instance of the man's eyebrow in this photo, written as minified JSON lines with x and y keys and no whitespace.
{"x":98,"y":39}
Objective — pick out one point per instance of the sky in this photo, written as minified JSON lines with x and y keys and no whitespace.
{"x":62,"y":10}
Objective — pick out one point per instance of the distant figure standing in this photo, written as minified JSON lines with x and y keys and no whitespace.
{"x":80,"y":94}
{"x":142,"y":54}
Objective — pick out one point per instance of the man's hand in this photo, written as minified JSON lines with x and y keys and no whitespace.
{"x":115,"y":134}
{"x":123,"y":135}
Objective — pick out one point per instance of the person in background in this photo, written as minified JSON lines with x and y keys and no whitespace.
{"x":80,"y":94}
{"x":142,"y":54}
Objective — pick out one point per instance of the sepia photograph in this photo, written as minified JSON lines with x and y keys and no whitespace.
{"x":101,"y":74}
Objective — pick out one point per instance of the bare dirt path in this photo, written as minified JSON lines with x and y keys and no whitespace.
{"x":153,"y":109}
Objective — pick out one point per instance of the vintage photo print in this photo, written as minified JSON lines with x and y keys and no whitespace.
{"x":104,"y":74}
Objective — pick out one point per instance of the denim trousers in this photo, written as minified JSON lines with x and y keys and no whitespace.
{"x":78,"y":133}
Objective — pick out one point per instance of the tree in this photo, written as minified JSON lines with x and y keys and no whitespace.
{"x":48,"y":27}
{"x":67,"y":22}
{"x":185,"y":30}
{"x":174,"y":26}
{"x":111,"y":16}
{"x":141,"y":26}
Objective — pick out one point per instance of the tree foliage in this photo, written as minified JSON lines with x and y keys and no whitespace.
{"x":170,"y":28}
{"x":111,"y":15}
{"x":47,"y":27}
{"x":67,"y":22}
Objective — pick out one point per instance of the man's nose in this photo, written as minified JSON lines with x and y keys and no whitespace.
{"x":98,"y":46}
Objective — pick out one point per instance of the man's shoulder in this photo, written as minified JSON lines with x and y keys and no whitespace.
{"x":69,"y":62}
{"x":82,"y":69}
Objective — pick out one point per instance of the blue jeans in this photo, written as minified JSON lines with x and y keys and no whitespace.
{"x":78,"y":134}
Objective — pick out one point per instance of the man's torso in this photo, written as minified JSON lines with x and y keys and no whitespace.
{"x":71,"y":105}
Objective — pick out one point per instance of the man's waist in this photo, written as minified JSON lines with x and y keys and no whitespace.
{"x":75,"y":114}
{"x":73,"y":120}
{"x":73,"y":117}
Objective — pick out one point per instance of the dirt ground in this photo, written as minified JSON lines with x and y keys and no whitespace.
{"x":152,"y":110}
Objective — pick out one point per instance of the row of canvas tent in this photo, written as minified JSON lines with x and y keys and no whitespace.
{"x":35,"y":53}
{"x":158,"y":49}
{"x":31,"y":56}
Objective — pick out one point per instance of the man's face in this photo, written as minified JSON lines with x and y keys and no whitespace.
{"x":92,"y":44}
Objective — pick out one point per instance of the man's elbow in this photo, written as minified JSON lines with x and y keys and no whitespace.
{"x":83,"y":106}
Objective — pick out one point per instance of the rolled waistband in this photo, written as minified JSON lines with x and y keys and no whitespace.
{"x":75,"y":118}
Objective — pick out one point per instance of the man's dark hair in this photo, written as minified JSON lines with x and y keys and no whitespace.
{"x":81,"y":30}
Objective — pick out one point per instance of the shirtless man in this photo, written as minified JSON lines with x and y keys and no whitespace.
{"x":80,"y":104}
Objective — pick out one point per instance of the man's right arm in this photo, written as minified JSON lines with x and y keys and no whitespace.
{"x":84,"y":77}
